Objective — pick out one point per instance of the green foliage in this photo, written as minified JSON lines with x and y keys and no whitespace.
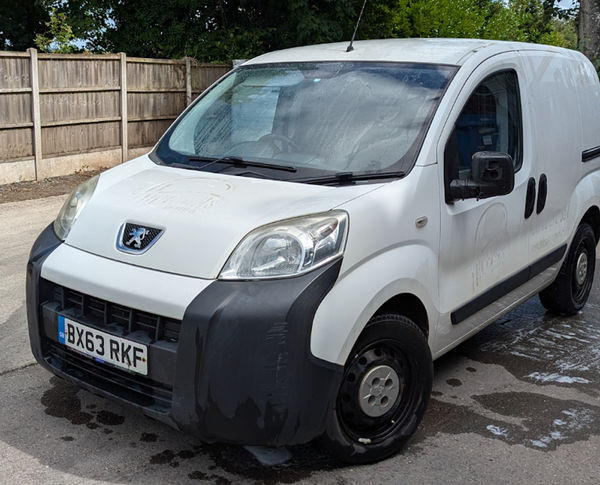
{"x":59,"y":37}
{"x":221,"y":30}
{"x":217,"y":30}
{"x":517,"y":20}
{"x":20,"y":21}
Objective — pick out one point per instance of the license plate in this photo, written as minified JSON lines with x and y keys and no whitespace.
{"x":103,"y":347}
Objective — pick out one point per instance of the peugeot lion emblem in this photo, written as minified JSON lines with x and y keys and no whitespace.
{"x":137,"y":239}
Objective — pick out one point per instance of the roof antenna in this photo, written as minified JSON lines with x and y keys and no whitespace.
{"x":350,"y":48}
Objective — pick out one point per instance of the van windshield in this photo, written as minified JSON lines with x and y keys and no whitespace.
{"x":301,"y":120}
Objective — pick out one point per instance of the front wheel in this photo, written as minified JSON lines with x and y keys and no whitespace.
{"x":571,"y":288}
{"x":384,"y":392}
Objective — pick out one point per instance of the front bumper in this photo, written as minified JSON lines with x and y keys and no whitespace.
{"x":239,"y":371}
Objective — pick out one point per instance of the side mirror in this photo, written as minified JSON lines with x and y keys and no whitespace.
{"x":492,"y":174}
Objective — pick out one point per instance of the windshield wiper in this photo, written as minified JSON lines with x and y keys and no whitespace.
{"x":240,"y":162}
{"x":347,"y":178}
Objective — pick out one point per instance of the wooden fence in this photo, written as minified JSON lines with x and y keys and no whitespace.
{"x":60,"y":113}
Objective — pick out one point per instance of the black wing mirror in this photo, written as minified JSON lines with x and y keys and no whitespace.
{"x":492,"y":174}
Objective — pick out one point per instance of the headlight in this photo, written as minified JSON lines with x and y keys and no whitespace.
{"x":73,"y":206}
{"x":289,"y":247}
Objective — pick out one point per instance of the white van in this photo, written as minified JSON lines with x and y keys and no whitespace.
{"x":316,"y":229}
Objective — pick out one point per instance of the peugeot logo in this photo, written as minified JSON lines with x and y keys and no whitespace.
{"x":137,"y":238}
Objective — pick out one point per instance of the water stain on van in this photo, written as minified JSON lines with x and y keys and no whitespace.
{"x":183,"y":195}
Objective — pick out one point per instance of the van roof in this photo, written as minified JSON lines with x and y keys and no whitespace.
{"x":430,"y":51}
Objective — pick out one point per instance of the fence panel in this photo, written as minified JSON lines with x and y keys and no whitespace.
{"x":79,"y":103}
{"x":155,"y":97}
{"x":15,"y":144}
{"x":75,"y":103}
{"x":16,"y":127}
{"x":203,"y":75}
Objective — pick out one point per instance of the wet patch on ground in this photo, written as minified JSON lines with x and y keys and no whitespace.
{"x":540,"y":348}
{"x":561,"y":422}
{"x":303,"y":462}
{"x":61,"y":401}
{"x":149,"y":437}
{"x":217,"y":479}
{"x":253,"y":463}
{"x":109,"y":419}
{"x":162,"y":458}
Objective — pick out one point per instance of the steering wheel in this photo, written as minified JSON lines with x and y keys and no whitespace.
{"x":271,"y":138}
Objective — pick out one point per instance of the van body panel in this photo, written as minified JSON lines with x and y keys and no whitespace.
{"x":386,"y":255}
{"x":551,"y":97}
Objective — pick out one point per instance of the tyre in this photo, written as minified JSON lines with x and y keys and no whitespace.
{"x":571,"y":288}
{"x":384,"y":392}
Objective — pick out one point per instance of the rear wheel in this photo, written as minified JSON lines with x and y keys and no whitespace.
{"x":384,"y":393}
{"x":571,"y":289}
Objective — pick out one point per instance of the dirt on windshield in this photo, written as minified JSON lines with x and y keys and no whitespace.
{"x":19,"y":191}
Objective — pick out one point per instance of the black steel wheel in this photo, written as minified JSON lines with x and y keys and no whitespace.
{"x":384,"y":392}
{"x":571,"y":289}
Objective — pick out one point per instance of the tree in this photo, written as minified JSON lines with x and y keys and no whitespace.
{"x":20,"y":22}
{"x":59,"y":38}
{"x":589,"y":30}
{"x":221,"y":30}
{"x":515,"y":20}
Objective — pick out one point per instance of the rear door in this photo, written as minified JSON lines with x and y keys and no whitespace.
{"x":558,"y":131}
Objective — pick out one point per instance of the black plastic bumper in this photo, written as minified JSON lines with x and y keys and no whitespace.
{"x":43,"y":246}
{"x":243,"y":370}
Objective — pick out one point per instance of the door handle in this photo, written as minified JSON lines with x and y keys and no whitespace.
{"x":542,"y":193}
{"x":530,"y":199}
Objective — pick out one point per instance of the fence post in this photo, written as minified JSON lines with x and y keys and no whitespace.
{"x":188,"y":81}
{"x":124,"y":141}
{"x":35,"y":110}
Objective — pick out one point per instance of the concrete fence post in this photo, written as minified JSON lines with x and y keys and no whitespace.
{"x":188,"y":81}
{"x":124,"y":141}
{"x":35,"y":111}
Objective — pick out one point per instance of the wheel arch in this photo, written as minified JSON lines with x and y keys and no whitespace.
{"x":409,"y":306}
{"x":403,"y":281}
{"x":592,"y":217}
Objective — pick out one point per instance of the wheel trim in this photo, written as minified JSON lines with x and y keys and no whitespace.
{"x":581,"y":268}
{"x":379,"y":391}
{"x":581,"y":273}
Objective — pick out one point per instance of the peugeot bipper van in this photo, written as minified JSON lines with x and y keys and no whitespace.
{"x":318,"y":227}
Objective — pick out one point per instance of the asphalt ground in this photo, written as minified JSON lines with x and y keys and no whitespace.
{"x":518,"y":403}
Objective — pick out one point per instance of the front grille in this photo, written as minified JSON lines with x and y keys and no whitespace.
{"x":131,"y":387}
{"x":105,"y":314}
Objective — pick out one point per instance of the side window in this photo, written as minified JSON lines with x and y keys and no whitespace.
{"x":489,"y":121}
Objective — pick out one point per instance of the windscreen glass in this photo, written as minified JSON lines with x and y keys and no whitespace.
{"x":319,"y":118}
